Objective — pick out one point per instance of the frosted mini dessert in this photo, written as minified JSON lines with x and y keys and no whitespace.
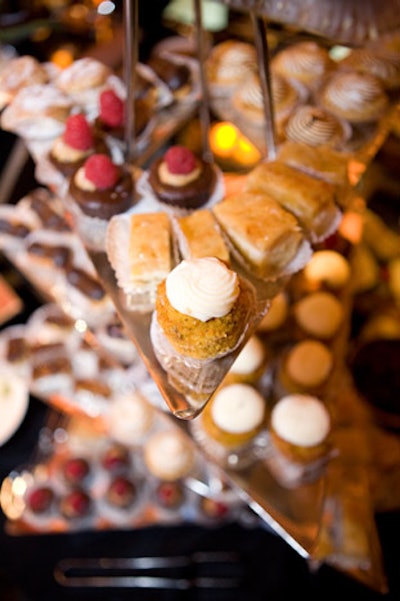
{"x":130,"y":418}
{"x":98,"y":190}
{"x":357,"y":97}
{"x":181,"y":180}
{"x":304,"y":367}
{"x":169,"y":455}
{"x":229,"y":423}
{"x":229,"y":63}
{"x":250,"y":364}
{"x":18,"y":73}
{"x":306,"y":62}
{"x":203,"y":312}
{"x":319,"y":314}
{"x":299,"y":428}
{"x":316,"y":126}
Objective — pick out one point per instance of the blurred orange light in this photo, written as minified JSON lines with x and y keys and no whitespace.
{"x":62,"y":58}
{"x":223,"y":137}
{"x":351,"y":226}
{"x":245,"y":152}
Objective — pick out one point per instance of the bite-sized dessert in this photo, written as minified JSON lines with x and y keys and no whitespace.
{"x":121,"y":492}
{"x":47,"y":208}
{"x":264,"y":236}
{"x":276,"y":315}
{"x":199,"y":235}
{"x":230,"y":422}
{"x":75,"y":470}
{"x":300,"y":426}
{"x":319,"y":314}
{"x":305,"y":367}
{"x":139,"y":249}
{"x":86,"y":285}
{"x":169,"y":494}
{"x":357,"y":97}
{"x":52,"y":376}
{"x":70,"y":150}
{"x":40,"y":499}
{"x":115,"y":340}
{"x":37,"y":113}
{"x":316,"y":126}
{"x":229,"y":63}
{"x":98,"y":190}
{"x":49,"y":254}
{"x":181,"y":180}
{"x":16,"y":346}
{"x":250,"y":364}
{"x":116,"y":458}
{"x":381,"y":62}
{"x":130,"y":418}
{"x":310,"y":200}
{"x":20,"y":72}
{"x":169,"y":455}
{"x":248,"y":100}
{"x":327,"y":268}
{"x":83,"y":81}
{"x":177,"y":75}
{"x":203,"y":312}
{"x":92,"y":395}
{"x":76,"y":504}
{"x":323,"y":163}
{"x":111,"y":119}
{"x":306,"y":62}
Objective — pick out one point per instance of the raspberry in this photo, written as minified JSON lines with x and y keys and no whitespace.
{"x":40,"y":499}
{"x":180,"y":160}
{"x":101,"y":171}
{"x":77,"y":132}
{"x":112,"y":109}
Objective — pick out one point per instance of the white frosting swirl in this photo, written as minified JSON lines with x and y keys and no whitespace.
{"x":238,"y":408}
{"x":202,"y":288}
{"x":301,"y":419}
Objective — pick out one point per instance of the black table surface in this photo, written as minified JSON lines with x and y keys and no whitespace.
{"x":269,"y":567}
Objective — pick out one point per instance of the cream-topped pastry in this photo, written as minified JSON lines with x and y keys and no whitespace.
{"x":130,"y":418}
{"x":37,"y":112}
{"x":357,"y":97}
{"x":203,"y":289}
{"x":306,"y":61}
{"x":238,"y":408}
{"x":316,"y":126}
{"x":301,"y":420}
{"x":382,"y":63}
{"x":230,"y":62}
{"x":250,"y":364}
{"x":18,"y":73}
{"x":169,"y":454}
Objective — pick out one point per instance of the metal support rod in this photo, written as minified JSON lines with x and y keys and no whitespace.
{"x":131,"y":25}
{"x":204,"y":110}
{"x":261,"y":44}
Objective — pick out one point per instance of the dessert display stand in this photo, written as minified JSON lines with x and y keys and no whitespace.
{"x":317,"y":519}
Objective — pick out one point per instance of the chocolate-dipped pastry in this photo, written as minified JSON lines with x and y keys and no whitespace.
{"x":55,"y":365}
{"x":14,"y":228}
{"x":85,"y":282}
{"x":40,"y":201}
{"x":60,"y":256}
{"x":101,"y":188}
{"x":17,"y":349}
{"x":181,"y":179}
{"x":93,"y":386}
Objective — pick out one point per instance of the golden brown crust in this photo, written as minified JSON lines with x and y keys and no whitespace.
{"x":199,"y":236}
{"x":203,"y":340}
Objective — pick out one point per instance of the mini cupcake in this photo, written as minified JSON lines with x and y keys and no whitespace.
{"x":299,"y":429}
{"x":169,"y":455}
{"x":203,"y":312}
{"x":319,"y":314}
{"x":250,"y":364}
{"x":182,"y":181}
{"x":130,"y":418}
{"x":98,"y":190}
{"x":304,"y":367}
{"x":356,"y":97}
{"x":69,"y":151}
{"x":230,"y":422}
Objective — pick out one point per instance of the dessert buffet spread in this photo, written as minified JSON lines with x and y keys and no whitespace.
{"x":238,"y":302}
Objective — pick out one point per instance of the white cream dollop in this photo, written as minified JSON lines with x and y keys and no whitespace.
{"x":301,"y":419}
{"x":238,"y":408}
{"x":202,"y":288}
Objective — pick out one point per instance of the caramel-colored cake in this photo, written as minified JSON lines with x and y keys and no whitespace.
{"x":198,"y":236}
{"x":319,"y":314}
{"x":267,"y":237}
{"x":182,"y":180}
{"x":312,"y":201}
{"x":139,"y":249}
